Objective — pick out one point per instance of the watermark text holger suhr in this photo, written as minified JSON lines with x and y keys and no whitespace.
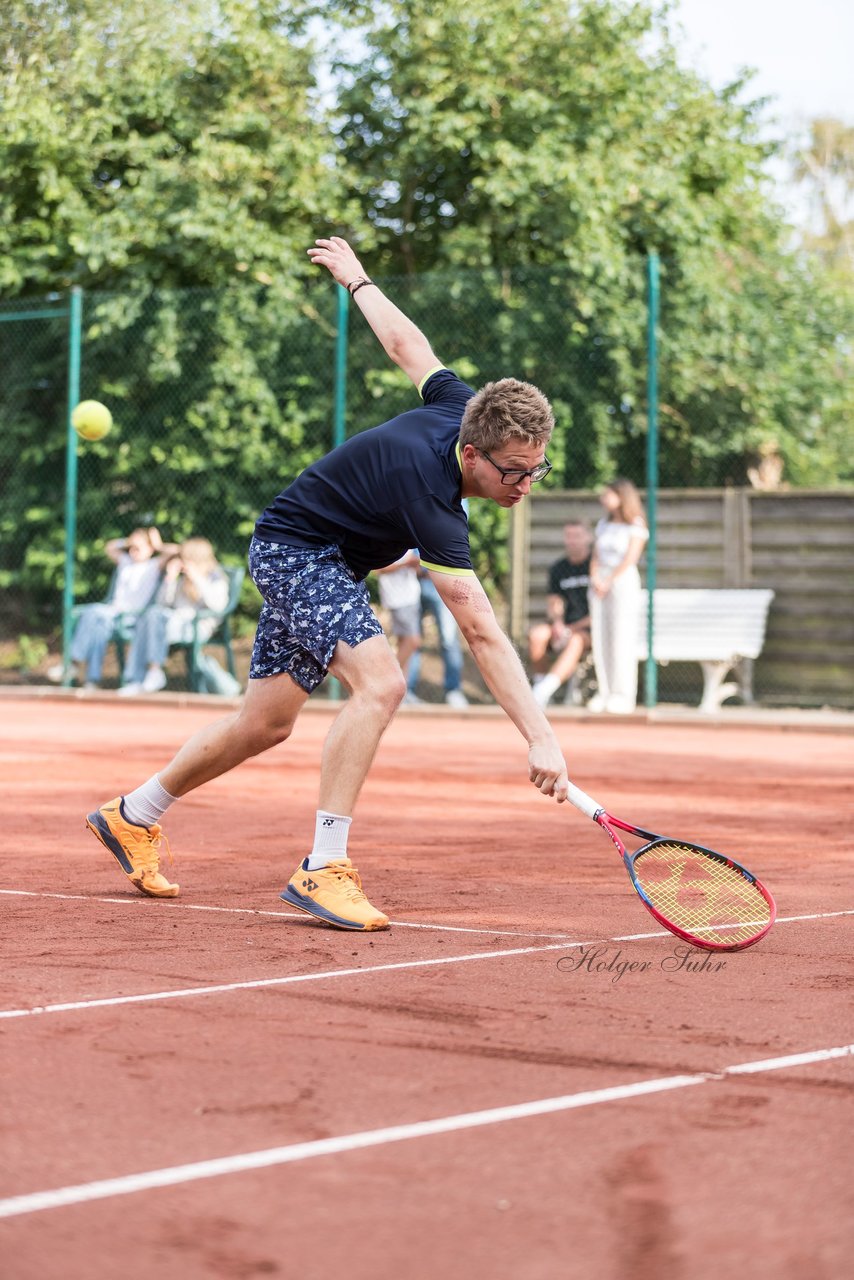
{"x":608,"y":961}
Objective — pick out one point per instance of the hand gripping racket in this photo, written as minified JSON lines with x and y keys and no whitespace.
{"x":701,"y":896}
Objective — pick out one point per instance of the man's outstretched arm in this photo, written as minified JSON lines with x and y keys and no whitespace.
{"x":402,"y":341}
{"x":500,"y":667}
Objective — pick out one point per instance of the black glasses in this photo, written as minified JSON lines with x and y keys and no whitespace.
{"x":509,"y":476}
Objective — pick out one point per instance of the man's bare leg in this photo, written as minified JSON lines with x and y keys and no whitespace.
{"x":371,"y":674}
{"x":332,"y":892}
{"x":563,"y":667}
{"x":567,"y":661}
{"x":539,"y":639}
{"x":271,"y":706}
{"x":266,"y":717}
{"x":132,"y":834}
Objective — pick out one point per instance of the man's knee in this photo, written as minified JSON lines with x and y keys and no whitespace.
{"x":383,"y":690}
{"x":388,"y":689}
{"x":371,"y":673}
{"x":264,"y":730}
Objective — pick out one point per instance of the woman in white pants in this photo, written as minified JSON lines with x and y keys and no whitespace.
{"x":615,"y":597}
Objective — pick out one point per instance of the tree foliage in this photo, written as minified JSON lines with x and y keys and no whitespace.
{"x":505,"y":167}
{"x":824,"y":166}
{"x":535,"y":132}
{"x":157,"y":144}
{"x":171,"y":161}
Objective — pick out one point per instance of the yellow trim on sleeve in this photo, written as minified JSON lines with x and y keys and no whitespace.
{"x":443,"y":568}
{"x":437,"y":368}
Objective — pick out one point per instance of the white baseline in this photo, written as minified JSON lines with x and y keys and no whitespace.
{"x":63,"y":1197}
{"x":255,"y":984}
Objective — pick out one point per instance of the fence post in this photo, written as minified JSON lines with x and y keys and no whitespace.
{"x":339,"y":420}
{"x":75,"y":329}
{"x":651,"y":672}
{"x":339,"y":430}
{"x":520,"y":554}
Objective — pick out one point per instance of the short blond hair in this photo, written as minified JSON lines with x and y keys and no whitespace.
{"x":504,"y":411}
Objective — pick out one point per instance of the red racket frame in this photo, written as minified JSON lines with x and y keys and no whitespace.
{"x":608,"y":822}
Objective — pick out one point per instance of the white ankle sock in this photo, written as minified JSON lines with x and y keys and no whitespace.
{"x":330,"y":839}
{"x":147,"y":804}
{"x":544,"y":689}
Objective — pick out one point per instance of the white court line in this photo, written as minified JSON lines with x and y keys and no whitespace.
{"x":62,"y":1197}
{"x":255,"y":984}
{"x":138,"y":901}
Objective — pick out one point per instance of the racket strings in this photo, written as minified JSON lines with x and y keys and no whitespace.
{"x":701,"y":894}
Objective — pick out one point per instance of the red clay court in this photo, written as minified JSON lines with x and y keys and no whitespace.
{"x":524,"y":1078}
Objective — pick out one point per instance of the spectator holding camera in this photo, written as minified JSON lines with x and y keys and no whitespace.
{"x":193,"y":581}
{"x":139,"y":560}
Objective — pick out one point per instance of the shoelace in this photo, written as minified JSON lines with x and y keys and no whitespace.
{"x":351,"y":882}
{"x":146,"y":843}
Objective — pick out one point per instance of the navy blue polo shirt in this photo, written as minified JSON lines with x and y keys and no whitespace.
{"x":386,"y":490}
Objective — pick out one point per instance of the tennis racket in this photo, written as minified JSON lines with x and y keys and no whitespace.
{"x":696,"y":893}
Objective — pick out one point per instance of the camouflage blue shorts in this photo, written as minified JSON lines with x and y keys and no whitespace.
{"x":312,"y":600}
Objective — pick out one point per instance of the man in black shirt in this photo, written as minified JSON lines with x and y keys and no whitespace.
{"x":400,"y":485}
{"x":565,"y":636}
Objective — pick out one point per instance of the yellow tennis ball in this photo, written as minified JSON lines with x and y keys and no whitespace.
{"x":91,"y":420}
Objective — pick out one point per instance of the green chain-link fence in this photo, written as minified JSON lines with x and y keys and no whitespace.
{"x":220,"y":397}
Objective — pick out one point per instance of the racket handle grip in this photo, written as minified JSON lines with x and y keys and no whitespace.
{"x":582,"y":801}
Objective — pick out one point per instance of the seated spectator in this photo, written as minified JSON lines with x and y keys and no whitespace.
{"x":192,"y":581}
{"x":139,"y":560}
{"x":400,"y":594}
{"x":564,"y":637}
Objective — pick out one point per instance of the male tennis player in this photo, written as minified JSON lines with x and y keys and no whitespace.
{"x":396,"y":486}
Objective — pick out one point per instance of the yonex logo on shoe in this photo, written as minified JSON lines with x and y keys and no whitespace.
{"x":309,"y":884}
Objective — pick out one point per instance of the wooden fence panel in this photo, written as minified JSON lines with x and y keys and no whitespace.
{"x":798,"y":542}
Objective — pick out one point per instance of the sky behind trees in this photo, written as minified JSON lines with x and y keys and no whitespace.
{"x":801,"y":52}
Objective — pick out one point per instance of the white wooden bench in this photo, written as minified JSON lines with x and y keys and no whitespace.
{"x":719,"y":628}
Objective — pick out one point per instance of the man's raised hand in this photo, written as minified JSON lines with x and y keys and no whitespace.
{"x":339,"y":259}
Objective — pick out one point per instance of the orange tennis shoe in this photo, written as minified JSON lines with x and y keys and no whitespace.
{"x":135,"y":849}
{"x":333,"y":894}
